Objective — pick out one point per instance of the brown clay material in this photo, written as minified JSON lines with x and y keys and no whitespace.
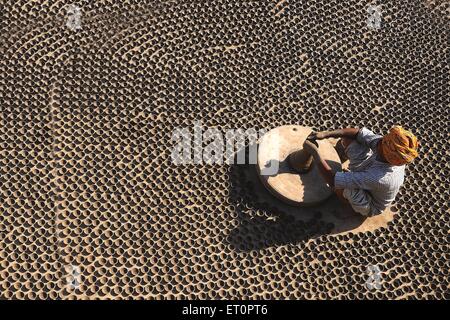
{"x":300,"y":161}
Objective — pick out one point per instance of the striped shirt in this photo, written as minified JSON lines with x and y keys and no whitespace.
{"x":381,"y":181}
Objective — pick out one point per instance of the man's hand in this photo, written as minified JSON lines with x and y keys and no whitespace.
{"x":318,"y":135}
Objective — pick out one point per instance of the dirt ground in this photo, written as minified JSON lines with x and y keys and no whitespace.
{"x":93,"y":207}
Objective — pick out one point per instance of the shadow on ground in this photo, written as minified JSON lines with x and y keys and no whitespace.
{"x":265,"y":221}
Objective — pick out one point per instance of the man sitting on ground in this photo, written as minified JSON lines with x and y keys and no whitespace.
{"x":376,"y":167}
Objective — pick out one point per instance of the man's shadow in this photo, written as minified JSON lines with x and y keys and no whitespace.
{"x":264,"y":221}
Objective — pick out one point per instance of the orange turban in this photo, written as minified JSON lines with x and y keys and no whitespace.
{"x":399,"y":146}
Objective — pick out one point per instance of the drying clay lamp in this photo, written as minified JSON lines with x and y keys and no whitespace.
{"x":288,"y":171}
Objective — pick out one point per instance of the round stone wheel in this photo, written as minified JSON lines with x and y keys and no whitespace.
{"x":284,"y":182}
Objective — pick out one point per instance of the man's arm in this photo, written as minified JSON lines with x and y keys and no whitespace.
{"x":324,"y":169}
{"x":349,"y":133}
